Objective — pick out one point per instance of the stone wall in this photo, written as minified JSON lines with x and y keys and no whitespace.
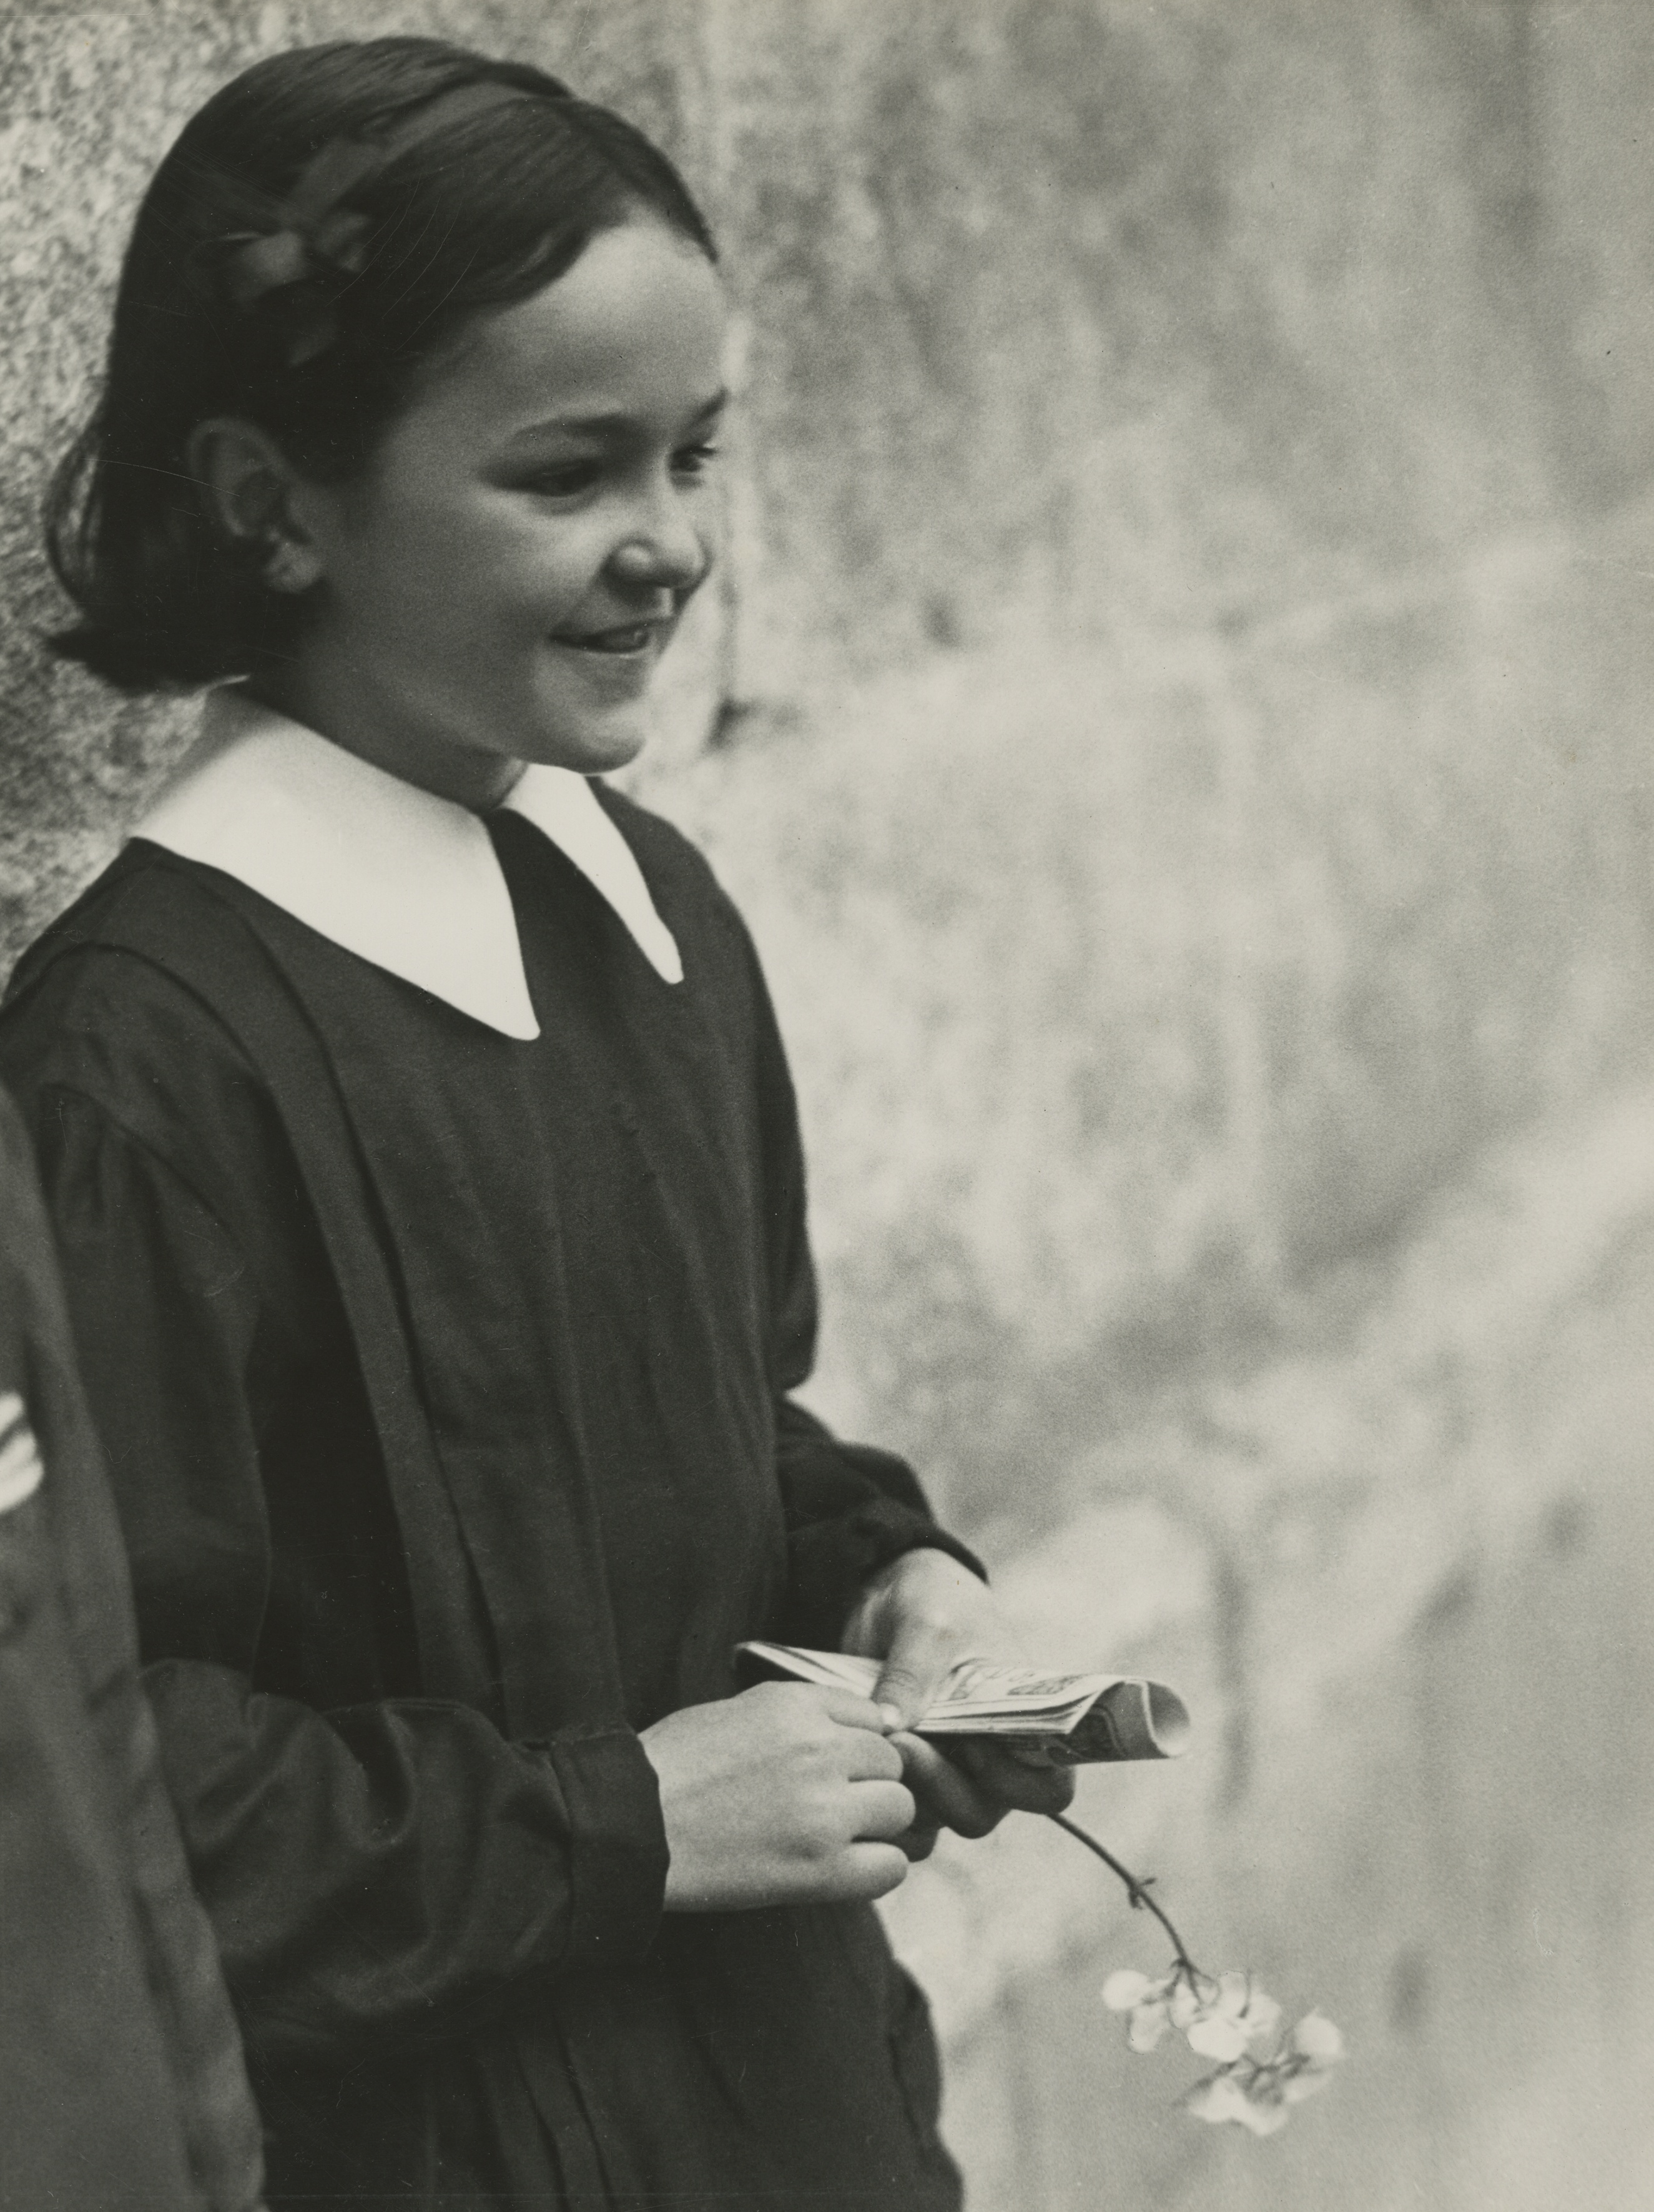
{"x":1172,"y":714}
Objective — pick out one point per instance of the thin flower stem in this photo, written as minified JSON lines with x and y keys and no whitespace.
{"x":1135,"y":1890}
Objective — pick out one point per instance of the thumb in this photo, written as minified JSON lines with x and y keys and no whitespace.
{"x":919,"y":1659}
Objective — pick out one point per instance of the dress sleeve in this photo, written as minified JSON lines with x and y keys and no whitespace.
{"x":385,"y":1875}
{"x":849,"y":1509}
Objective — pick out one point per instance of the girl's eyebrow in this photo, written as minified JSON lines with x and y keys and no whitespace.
{"x":592,"y":426}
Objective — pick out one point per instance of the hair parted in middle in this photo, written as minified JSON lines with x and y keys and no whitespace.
{"x":315,"y":237}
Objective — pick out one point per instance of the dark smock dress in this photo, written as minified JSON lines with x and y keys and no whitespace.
{"x":442,"y":1376}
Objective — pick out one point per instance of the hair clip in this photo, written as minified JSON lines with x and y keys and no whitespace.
{"x":316,"y":242}
{"x":316,"y":239}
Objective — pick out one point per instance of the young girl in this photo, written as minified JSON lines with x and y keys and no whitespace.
{"x":424,"y":1163}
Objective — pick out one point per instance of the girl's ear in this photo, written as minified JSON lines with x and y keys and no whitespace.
{"x":247,"y":485}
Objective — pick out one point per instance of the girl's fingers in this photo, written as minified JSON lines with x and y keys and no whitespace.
{"x":1012,"y":1783}
{"x":950,"y":1796}
{"x":873,"y":1870}
{"x":1031,"y":1754}
{"x":921,"y":1655}
{"x":851,"y":1711}
{"x":883,"y":1810}
{"x":870,"y":1758}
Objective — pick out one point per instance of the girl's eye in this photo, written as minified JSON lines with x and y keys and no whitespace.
{"x":693,"y":460}
{"x":567,"y":481}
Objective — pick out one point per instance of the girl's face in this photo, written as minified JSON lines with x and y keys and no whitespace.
{"x":499,"y":584}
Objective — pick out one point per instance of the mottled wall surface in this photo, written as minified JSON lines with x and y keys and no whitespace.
{"x":1173,"y":712}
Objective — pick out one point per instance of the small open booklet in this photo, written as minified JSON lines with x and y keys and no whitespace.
{"x":1074,"y":1718}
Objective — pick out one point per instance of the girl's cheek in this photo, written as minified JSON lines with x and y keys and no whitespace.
{"x":528,"y":538}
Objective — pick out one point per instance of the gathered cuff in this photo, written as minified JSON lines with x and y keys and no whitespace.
{"x":617,"y":1854}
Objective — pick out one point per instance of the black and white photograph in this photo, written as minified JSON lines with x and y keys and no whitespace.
{"x":826,"y":1106}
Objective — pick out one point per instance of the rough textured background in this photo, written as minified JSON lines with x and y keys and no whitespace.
{"x":1173,"y":715}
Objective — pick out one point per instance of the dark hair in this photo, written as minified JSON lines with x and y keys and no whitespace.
{"x":468,"y":184}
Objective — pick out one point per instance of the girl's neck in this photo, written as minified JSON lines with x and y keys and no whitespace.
{"x":470,"y":778}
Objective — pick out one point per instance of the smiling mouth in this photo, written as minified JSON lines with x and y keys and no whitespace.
{"x":633,"y":637}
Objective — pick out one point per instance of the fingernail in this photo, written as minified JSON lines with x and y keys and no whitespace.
{"x":892,"y":1716}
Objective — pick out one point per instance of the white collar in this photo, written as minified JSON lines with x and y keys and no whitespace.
{"x":392,"y":873}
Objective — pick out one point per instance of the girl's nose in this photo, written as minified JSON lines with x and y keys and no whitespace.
{"x":664,"y":549}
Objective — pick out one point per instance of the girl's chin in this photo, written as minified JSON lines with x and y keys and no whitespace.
{"x":594,"y":750}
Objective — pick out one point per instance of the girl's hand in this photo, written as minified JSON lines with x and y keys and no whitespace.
{"x":787,"y":1795}
{"x":920,"y":1616}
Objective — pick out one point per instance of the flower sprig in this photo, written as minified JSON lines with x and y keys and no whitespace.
{"x":1260,"y":2073}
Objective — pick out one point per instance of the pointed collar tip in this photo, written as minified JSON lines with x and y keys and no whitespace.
{"x":361,"y":856}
